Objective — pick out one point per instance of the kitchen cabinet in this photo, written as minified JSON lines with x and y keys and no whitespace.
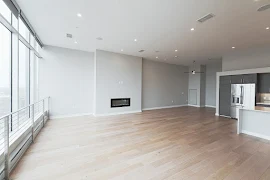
{"x":225,"y":80}
{"x":264,"y":83}
{"x":225,"y":96}
{"x":249,"y":79}
{"x":237,"y":79}
{"x":244,"y":79}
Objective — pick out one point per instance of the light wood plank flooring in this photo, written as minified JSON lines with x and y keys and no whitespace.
{"x":178,"y":143}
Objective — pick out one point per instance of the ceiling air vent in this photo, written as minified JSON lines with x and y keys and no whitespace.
{"x":263,"y":8}
{"x":205,"y":18}
{"x":141,"y":51}
{"x":69,"y":35}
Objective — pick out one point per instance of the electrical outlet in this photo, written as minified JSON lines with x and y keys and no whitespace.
{"x":182,"y":92}
{"x":172,"y":101}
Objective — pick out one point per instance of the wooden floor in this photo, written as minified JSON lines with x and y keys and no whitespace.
{"x":178,"y":143}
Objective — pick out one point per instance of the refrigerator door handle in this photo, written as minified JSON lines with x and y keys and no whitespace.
{"x":242,"y":95}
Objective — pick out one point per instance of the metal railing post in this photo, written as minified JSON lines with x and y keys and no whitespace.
{"x":43,"y":111}
{"x":33,"y":121}
{"x":48,"y":110}
{"x":6,"y":152}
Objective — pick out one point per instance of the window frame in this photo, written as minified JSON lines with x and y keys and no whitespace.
{"x":32,"y":45}
{"x":9,"y":66}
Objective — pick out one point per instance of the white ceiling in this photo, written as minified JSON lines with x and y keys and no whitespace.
{"x":159,"y":25}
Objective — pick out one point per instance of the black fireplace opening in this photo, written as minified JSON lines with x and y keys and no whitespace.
{"x":120,"y":102}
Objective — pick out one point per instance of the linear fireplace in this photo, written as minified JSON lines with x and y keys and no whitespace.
{"x":120,"y":102}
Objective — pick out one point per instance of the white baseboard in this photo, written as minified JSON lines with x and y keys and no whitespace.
{"x":225,"y":116}
{"x":70,"y":115}
{"x":217,"y":114}
{"x":194,"y":105}
{"x":209,"y":106}
{"x":164,"y":107}
{"x":256,"y":134}
{"x":119,"y":113}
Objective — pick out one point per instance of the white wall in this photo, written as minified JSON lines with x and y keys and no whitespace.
{"x":117,"y":76}
{"x":247,"y":59}
{"x":67,"y":76}
{"x":211,"y":71}
{"x":164,"y":85}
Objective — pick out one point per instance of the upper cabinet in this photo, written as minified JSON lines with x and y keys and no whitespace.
{"x":237,"y":79}
{"x":264,"y":83}
{"x":250,"y":79}
{"x":225,"y":80}
{"x":244,"y":79}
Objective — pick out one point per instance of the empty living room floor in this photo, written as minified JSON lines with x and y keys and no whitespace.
{"x":177,"y":143}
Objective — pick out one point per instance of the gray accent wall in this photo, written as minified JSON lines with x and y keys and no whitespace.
{"x":246,"y":59}
{"x":164,"y":85}
{"x":196,"y":85}
{"x":117,"y":76}
{"x":203,"y":86}
{"x":67,"y":76}
{"x":210,"y":93}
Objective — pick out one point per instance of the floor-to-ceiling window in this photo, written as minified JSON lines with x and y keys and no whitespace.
{"x":5,"y":69}
{"x":5,"y":12}
{"x":23,"y":75}
{"x":18,"y":62}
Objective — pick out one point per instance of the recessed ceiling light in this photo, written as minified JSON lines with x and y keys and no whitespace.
{"x":176,"y":50}
{"x":192,"y":29}
{"x":76,"y":42}
{"x":233,"y":47}
{"x":156,"y":57}
{"x":122,"y":49}
{"x":135,"y":40}
{"x":176,"y":56}
{"x":267,"y":28}
{"x":79,"y":15}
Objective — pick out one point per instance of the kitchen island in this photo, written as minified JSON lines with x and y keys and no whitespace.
{"x":254,"y":122}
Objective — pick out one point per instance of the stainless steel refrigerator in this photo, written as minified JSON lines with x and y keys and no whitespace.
{"x":242,"y":96}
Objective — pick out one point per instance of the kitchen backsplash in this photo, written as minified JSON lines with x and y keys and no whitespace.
{"x":263,"y":97}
